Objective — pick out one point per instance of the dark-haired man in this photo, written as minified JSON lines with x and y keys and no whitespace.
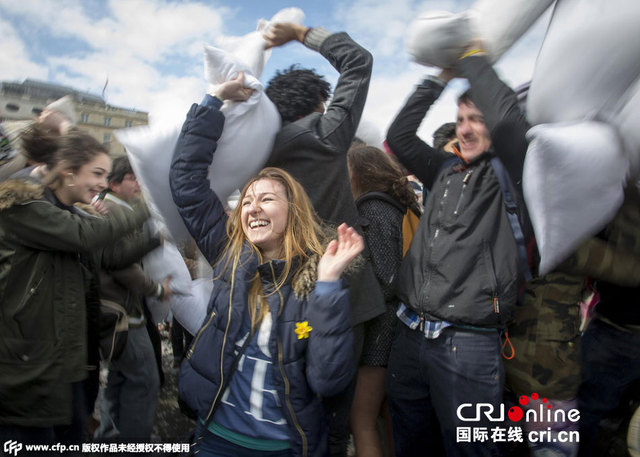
{"x":128,"y":405}
{"x":444,"y":137}
{"x":459,"y":281}
{"x":312,"y":145}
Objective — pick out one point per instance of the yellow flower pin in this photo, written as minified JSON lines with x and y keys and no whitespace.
{"x":303,"y":329}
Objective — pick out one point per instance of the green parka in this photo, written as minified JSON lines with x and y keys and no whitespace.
{"x":43,"y":285}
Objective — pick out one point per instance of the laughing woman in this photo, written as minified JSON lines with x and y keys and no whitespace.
{"x":47,"y":250}
{"x":277,"y":332}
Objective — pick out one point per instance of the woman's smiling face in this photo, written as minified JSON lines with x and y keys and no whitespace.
{"x":265,"y":209}
{"x":87,"y":182}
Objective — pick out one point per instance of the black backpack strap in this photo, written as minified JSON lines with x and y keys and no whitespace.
{"x":512,"y":215}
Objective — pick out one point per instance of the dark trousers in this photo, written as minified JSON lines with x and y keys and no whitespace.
{"x":74,"y":433}
{"x":610,"y":364}
{"x":180,"y":340}
{"x":338,"y":408}
{"x":428,"y":379}
{"x":156,"y":341}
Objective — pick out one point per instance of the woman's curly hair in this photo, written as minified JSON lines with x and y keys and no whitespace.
{"x":297,"y":92}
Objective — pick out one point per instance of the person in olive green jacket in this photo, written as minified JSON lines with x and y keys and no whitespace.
{"x":47,"y":250}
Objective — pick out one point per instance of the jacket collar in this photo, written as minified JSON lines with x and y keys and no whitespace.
{"x":19,"y":191}
{"x":301,"y":278}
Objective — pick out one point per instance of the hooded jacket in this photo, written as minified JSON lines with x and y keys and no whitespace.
{"x":305,"y":367}
{"x":43,"y":286}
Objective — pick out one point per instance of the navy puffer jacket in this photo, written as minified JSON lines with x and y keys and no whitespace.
{"x":307,"y":368}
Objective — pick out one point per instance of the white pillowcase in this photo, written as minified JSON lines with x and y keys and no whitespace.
{"x":247,"y":139}
{"x":439,"y":38}
{"x":573,"y":183}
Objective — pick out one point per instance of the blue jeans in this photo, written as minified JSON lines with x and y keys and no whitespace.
{"x":610,"y":364}
{"x":128,"y":402}
{"x":428,"y":379}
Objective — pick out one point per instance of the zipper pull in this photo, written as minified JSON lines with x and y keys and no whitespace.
{"x":466,"y":178}
{"x":496,"y":305}
{"x":421,"y":325}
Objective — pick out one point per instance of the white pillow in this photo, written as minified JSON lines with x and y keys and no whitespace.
{"x":246,"y":141}
{"x":150,"y":150}
{"x":191,"y":309}
{"x":250,"y":127}
{"x":160,"y":263}
{"x":500,"y":24}
{"x":587,"y":62}
{"x":439,"y":38}
{"x":626,"y":120}
{"x":573,"y":183}
{"x":587,"y":69}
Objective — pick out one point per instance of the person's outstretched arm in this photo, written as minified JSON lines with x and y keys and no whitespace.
{"x":202,"y":211}
{"x":338,"y":125}
{"x":402,"y":137}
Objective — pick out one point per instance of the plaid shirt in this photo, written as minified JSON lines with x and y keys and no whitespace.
{"x":432,"y":329}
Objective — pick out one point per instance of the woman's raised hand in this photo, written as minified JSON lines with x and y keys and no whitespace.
{"x":340,"y":253}
{"x":233,"y":89}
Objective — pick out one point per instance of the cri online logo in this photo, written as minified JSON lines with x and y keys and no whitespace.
{"x":467,"y":413}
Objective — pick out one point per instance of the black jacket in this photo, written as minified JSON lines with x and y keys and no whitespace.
{"x":314,"y":150}
{"x":463,"y":263}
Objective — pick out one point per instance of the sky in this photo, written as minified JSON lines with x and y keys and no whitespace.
{"x":151,"y":51}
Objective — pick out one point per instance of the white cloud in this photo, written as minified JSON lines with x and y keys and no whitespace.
{"x":147,"y":29}
{"x":381,"y":25}
{"x":387,"y":95}
{"x":151,"y":30}
{"x":14,"y":58}
{"x":150,"y":51}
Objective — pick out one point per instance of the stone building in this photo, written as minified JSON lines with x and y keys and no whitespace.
{"x":25,"y":100}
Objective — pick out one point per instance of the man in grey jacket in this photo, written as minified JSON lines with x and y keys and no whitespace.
{"x":459,"y":281}
{"x":312,"y":145}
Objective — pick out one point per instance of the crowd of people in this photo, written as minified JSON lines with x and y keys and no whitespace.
{"x":328,"y":316}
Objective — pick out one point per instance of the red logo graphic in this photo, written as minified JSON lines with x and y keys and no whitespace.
{"x":515,"y":413}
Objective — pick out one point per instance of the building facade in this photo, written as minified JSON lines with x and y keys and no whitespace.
{"x":25,"y":100}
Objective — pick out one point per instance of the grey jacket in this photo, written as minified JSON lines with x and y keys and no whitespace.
{"x":462,"y":266}
{"x":314,"y":150}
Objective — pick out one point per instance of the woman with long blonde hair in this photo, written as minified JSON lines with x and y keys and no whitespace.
{"x":277,"y":332}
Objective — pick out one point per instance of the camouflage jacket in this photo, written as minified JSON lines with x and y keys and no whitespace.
{"x":545,"y":334}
